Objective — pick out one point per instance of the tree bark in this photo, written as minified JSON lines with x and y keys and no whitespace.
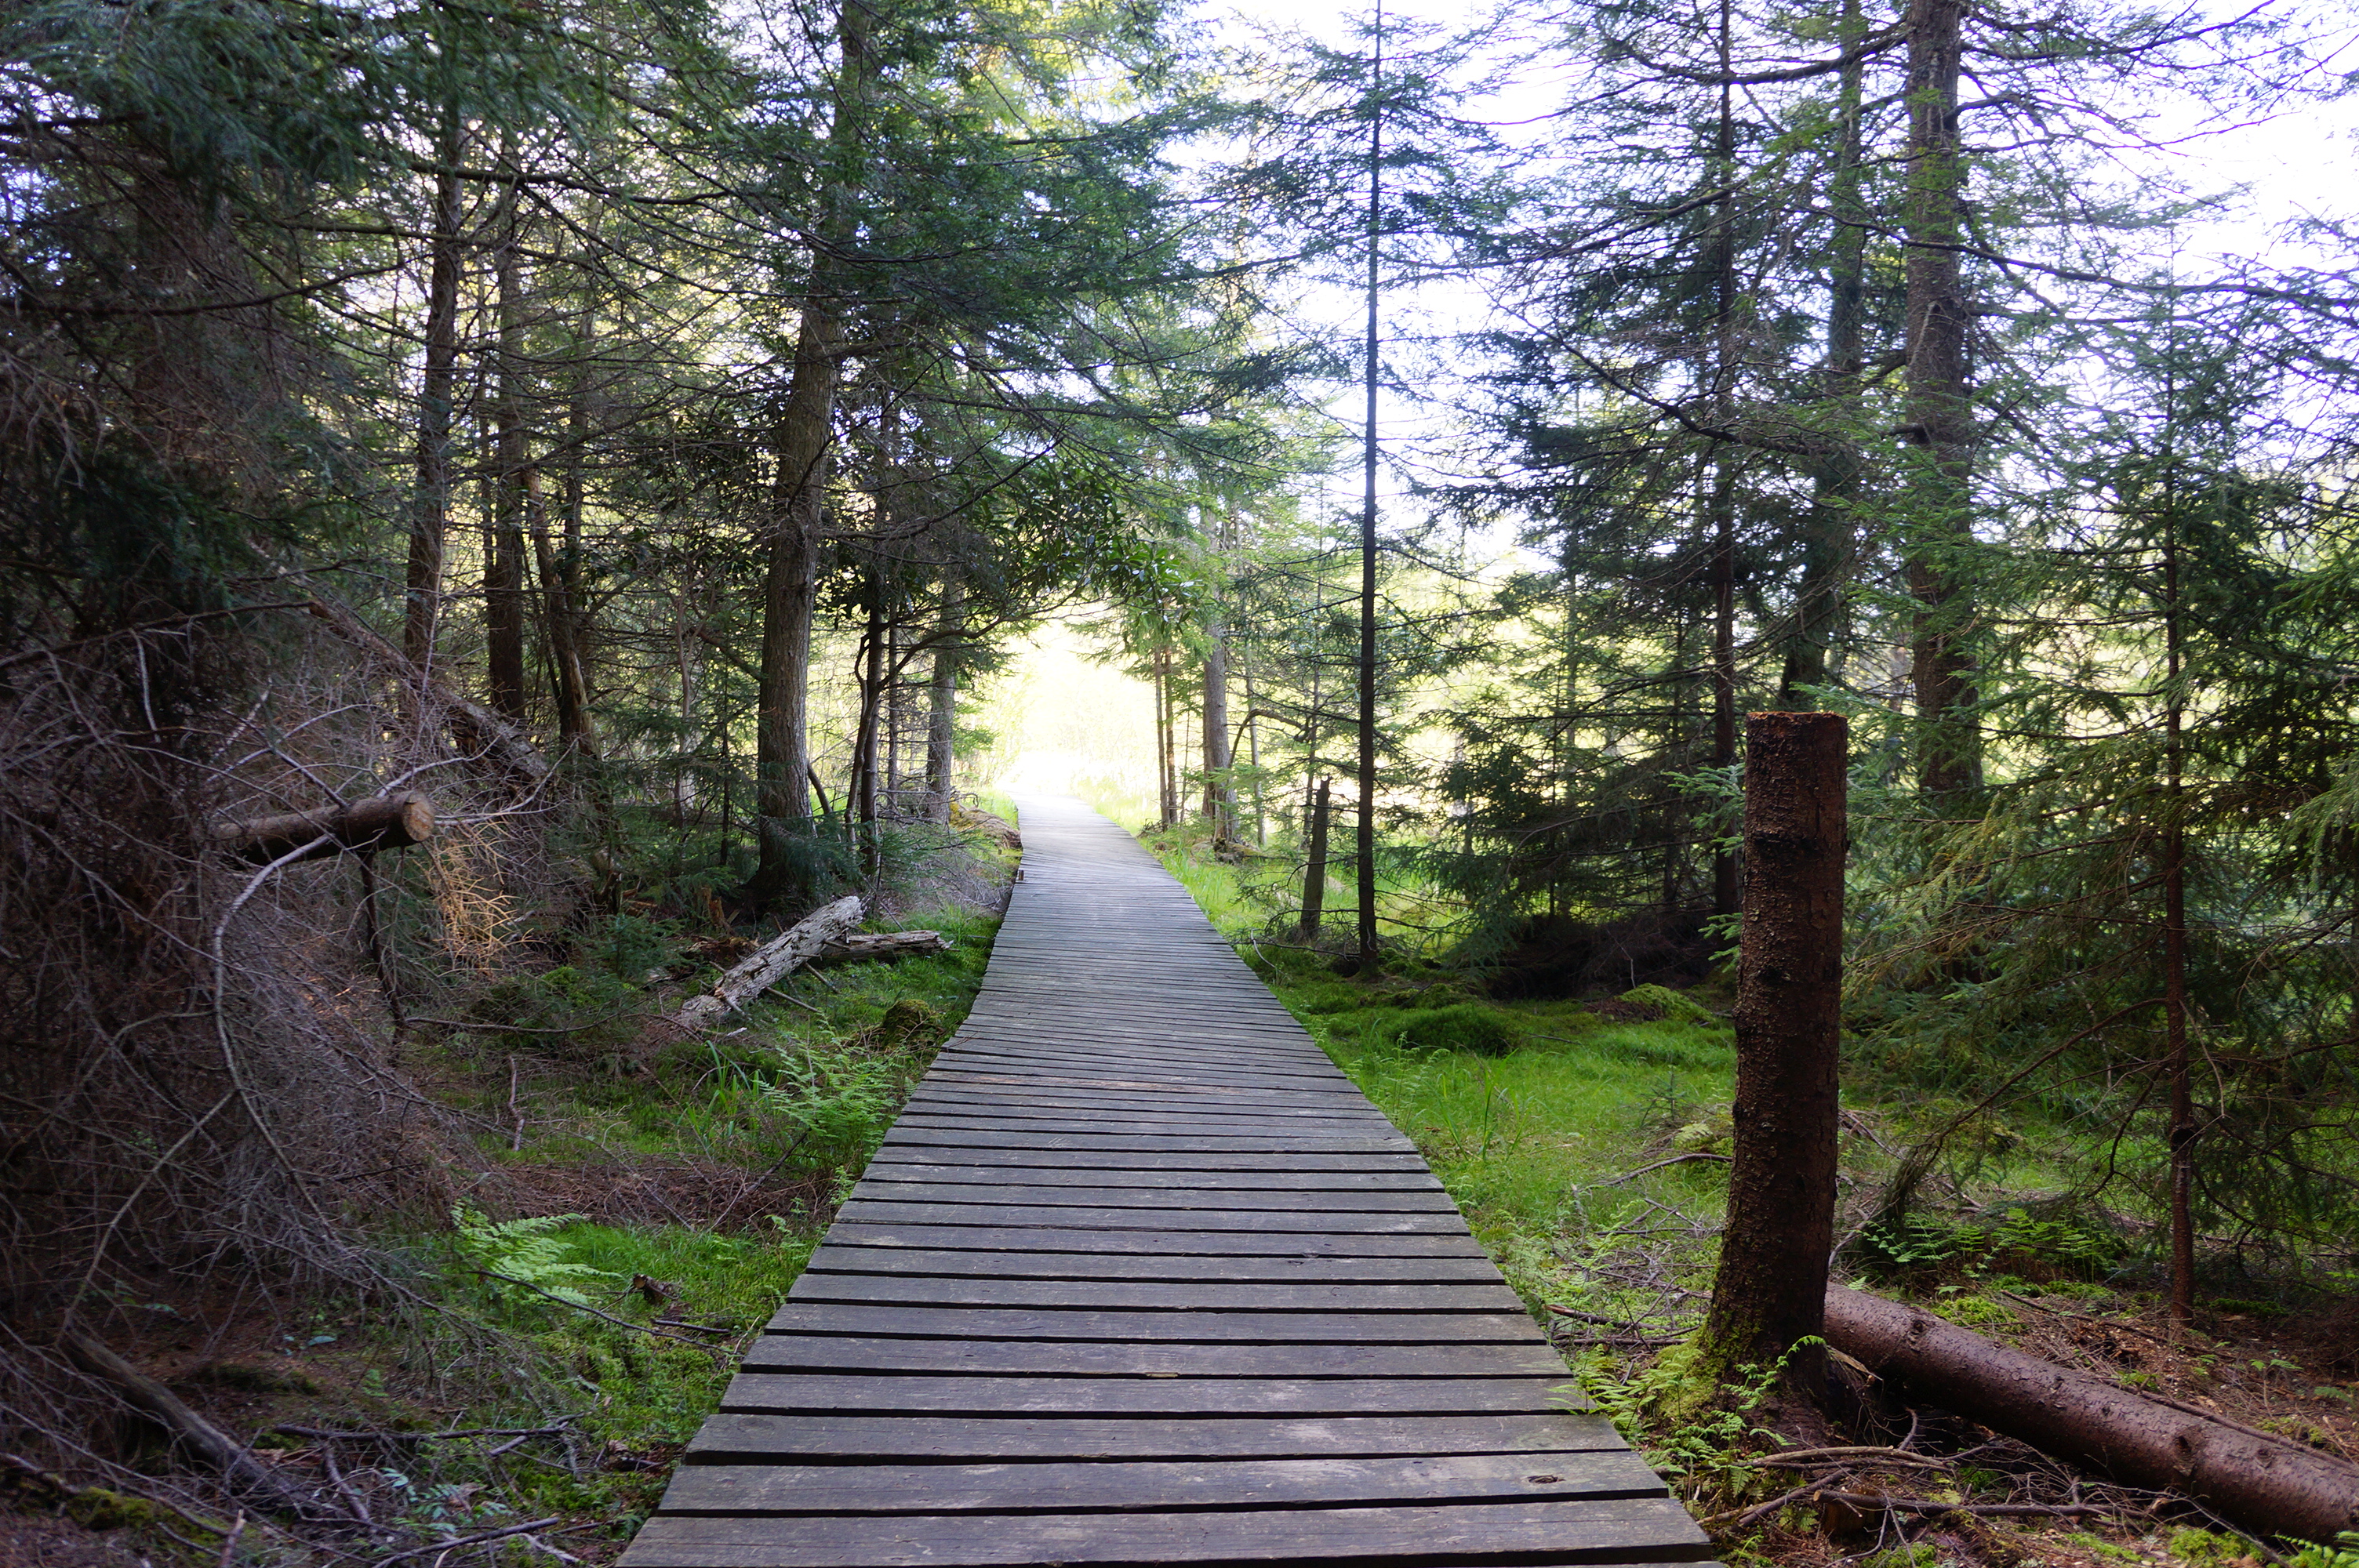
{"x":804,"y":444}
{"x":873,"y":676}
{"x":1314,"y":870}
{"x":770,"y":963}
{"x":1939,"y":408}
{"x":504,"y":592}
{"x":562,"y":619}
{"x":1220,"y":808}
{"x":2272,"y":1486}
{"x":2179,"y":1060}
{"x":1364,"y":827}
{"x":1772,"y":1280}
{"x":391,"y":822}
{"x":1835,"y":481}
{"x":429,"y":512}
{"x":941,"y":700}
{"x":1722,"y":505}
{"x":885,"y":945}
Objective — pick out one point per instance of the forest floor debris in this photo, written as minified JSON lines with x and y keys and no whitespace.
{"x":624,"y":1221}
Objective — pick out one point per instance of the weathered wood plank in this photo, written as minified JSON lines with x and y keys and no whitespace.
{"x":1203,"y":1327}
{"x":883,"y":1210}
{"x":1635,"y":1530}
{"x":929,"y":1438}
{"x":1078,"y":1264}
{"x":1198,"y":1243}
{"x":1134,"y":1359}
{"x":1189,"y":1181}
{"x":1176,"y":1199}
{"x":1150,"y":1485}
{"x":1126,"y":1295}
{"x":1159,"y":1160}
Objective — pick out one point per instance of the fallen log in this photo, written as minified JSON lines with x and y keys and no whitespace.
{"x":768,"y":964}
{"x":886,"y":945}
{"x":2267,"y":1485}
{"x":201,"y":1437}
{"x":389,"y":822}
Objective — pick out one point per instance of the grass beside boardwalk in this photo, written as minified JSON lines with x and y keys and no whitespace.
{"x":1586,"y":1144}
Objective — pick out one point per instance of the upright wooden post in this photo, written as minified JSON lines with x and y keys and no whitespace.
{"x":1771,"y":1288}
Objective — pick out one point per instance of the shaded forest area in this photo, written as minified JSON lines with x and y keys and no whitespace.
{"x":508,"y":507}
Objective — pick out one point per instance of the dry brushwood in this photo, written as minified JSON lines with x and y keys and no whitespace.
{"x":2261,"y":1483}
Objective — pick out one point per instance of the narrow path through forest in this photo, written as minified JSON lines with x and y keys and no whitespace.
{"x":1139,"y":1276}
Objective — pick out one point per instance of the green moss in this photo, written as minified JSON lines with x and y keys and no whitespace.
{"x":1469,"y":1026}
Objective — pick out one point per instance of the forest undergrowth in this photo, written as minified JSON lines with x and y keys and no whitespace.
{"x":1587,"y":1142}
{"x":615,"y":1220}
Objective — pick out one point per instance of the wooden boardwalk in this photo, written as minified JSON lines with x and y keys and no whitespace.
{"x":1140,"y":1278}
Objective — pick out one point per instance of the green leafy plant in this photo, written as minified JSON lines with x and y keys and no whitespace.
{"x":527,"y":1252}
{"x":834,"y":1101}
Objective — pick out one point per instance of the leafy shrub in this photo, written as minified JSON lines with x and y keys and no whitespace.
{"x":527,"y":1252}
{"x":835,"y":1103}
{"x":1468,"y":1026}
{"x":564,"y":1011}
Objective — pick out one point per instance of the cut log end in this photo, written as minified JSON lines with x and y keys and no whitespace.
{"x":387,"y":822}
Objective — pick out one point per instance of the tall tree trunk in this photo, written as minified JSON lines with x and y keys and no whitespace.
{"x":1167,"y":810}
{"x":1724,"y":891}
{"x":1722,"y":504}
{"x":503,"y":590}
{"x":804,"y":444}
{"x":941,"y":695}
{"x":873,"y":676}
{"x":1219,"y":800}
{"x":2180,"y":1062}
{"x":562,"y":615}
{"x":1365,"y":825}
{"x":1253,"y":760}
{"x":430,"y":513}
{"x":1770,"y":1290}
{"x":1314,"y":868}
{"x":1938,"y":410}
{"x":1834,"y":477}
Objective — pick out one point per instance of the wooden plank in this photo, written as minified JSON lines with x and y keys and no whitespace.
{"x":1186,"y":1181}
{"x":1632,"y":1529}
{"x":1140,"y":1142}
{"x":1157,"y":1159}
{"x":1082,"y":1264}
{"x":1132,"y":1358}
{"x":818,"y":1393}
{"x":1104,"y":1295}
{"x":1201,"y":1243}
{"x":1198,"y":1327}
{"x":757,"y":1439}
{"x":1232,"y":1200}
{"x":1210,"y":1129}
{"x":1156,"y":1216}
{"x":1151,"y":1484}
